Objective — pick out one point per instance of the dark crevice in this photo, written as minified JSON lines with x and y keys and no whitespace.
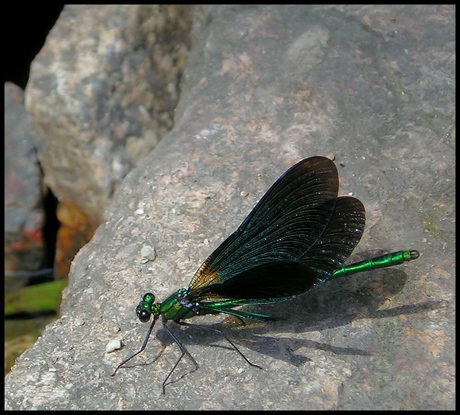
{"x":50,"y":229}
{"x":25,"y":30}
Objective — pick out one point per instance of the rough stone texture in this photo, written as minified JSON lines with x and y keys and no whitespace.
{"x":101,"y":94}
{"x":24,"y":248}
{"x":265,"y":87}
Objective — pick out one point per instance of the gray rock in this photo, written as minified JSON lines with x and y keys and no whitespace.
{"x":102,"y":93}
{"x":24,"y":217}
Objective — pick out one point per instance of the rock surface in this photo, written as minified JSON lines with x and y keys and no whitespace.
{"x":264,"y":87}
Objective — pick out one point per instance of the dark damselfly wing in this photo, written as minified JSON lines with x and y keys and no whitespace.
{"x":298,"y":234}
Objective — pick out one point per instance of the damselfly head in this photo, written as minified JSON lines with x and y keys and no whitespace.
{"x":144,"y":308}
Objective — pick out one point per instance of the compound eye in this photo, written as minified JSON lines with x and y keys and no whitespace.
{"x":144,"y":316}
{"x":149,"y":298}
